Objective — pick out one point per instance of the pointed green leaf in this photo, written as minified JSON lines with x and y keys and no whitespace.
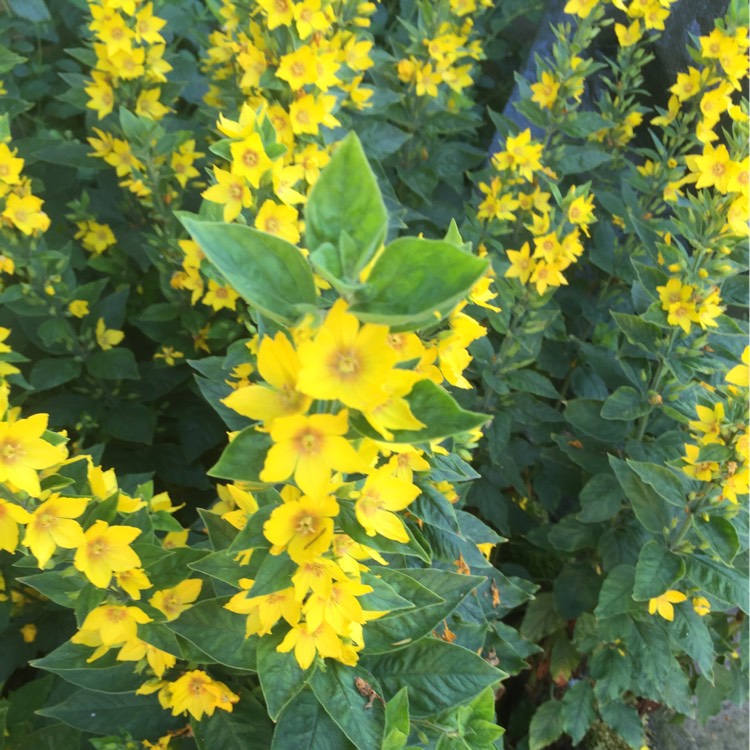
{"x":625,"y":404}
{"x":657,"y":571}
{"x":416,"y":282}
{"x":578,"y":712}
{"x":397,"y":724}
{"x":625,"y":721}
{"x":719,"y":580}
{"x":616,"y":595}
{"x":438,"y":675}
{"x":281,"y":678}
{"x":669,"y":484}
{"x":649,"y":506}
{"x":305,"y":725}
{"x":243,"y":458}
{"x":335,"y":687}
{"x":720,"y":536}
{"x":268,"y":272}
{"x":546,"y":725}
{"x":346,"y":198}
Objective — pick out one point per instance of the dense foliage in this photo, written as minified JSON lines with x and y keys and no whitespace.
{"x":326,"y":425}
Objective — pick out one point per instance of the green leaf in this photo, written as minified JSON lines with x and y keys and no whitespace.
{"x":616,"y":595}
{"x":529,"y":381}
{"x":305,"y":725}
{"x":50,"y":372}
{"x":625,"y":721}
{"x":585,"y":415}
{"x":346,"y":199}
{"x":719,"y":580}
{"x":438,"y":675}
{"x":649,"y":507}
{"x":62,"y":590}
{"x":104,"y":675}
{"x":130,"y":421}
{"x":281,"y":678}
{"x":720,"y":536}
{"x":436,"y":409}
{"x":668,"y":484}
{"x":217,"y":632}
{"x":419,"y":585}
{"x":576,"y":159}
{"x":90,"y":711}
{"x":113,"y":364}
{"x":9,"y":59}
{"x":397,"y":724}
{"x":413,"y":279}
{"x":32,"y":10}
{"x":246,"y":726}
{"x":335,"y":688}
{"x":578,"y":712}
{"x":625,"y":404}
{"x":546,"y":725}
{"x":657,"y":571}
{"x":541,"y":617}
{"x":601,"y":499}
{"x":243,"y":458}
{"x":271,"y":274}
{"x":639,"y":332}
{"x":611,"y":670}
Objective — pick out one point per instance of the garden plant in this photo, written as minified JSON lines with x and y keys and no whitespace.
{"x":325,"y":423}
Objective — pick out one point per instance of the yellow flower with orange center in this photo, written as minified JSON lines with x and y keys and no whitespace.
{"x":310,"y":448}
{"x":383,"y":495}
{"x":174,"y":601}
{"x":51,"y":526}
{"x":197,"y":694}
{"x":106,"y":549}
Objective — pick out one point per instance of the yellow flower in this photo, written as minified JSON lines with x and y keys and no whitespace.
{"x":107,"y":337}
{"x":174,"y":601}
{"x":264,"y":611}
{"x":109,"y":625}
{"x":627,"y":36}
{"x":246,"y":505}
{"x":148,"y":25}
{"x":231,"y":191}
{"x":340,"y":608}
{"x":298,"y":68}
{"x":10,"y":166}
{"x":149,"y":106}
{"x":546,"y":274}
{"x":249,"y":159}
{"x":701,"y":470}
{"x":709,"y":422}
{"x":133,"y":581}
{"x":11,"y":515}
{"x":740,"y":374}
{"x":701,"y":605}
{"x":581,"y":212}
{"x":521,"y":264}
{"x":220,"y":297}
{"x":101,"y":94}
{"x":23,"y":453}
{"x":317,"y":576}
{"x":94,"y":236}
{"x":278,"y":365}
{"x":713,"y":168}
{"x":308,"y":642}
{"x":521,"y":155}
{"x":381,"y":495}
{"x":663,"y":604}
{"x":310,"y":448}
{"x":346,"y":361}
{"x":197,"y":694}
{"x":135,"y":650}
{"x":78,"y":308}
{"x":545,"y":92}
{"x":279,"y":220}
{"x":302,"y":526}
{"x":104,"y":550}
{"x":25,"y":213}
{"x":278,"y":12}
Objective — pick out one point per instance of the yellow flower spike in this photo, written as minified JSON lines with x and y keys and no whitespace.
{"x":23,"y":453}
{"x":381,"y":495}
{"x":51,"y":526}
{"x":197,"y":694}
{"x":11,"y":516}
{"x":104,"y":550}
{"x":174,"y":601}
{"x":310,"y":448}
{"x":663,"y":604}
{"x":303,"y":527}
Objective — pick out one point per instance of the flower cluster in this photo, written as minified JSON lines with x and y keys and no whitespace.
{"x":314,"y":388}
{"x":130,"y":60}
{"x":21,"y":209}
